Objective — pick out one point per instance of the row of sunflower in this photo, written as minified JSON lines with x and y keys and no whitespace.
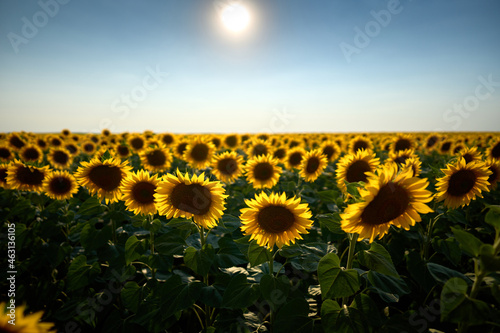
{"x":142,"y":171}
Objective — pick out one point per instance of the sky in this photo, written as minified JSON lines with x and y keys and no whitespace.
{"x":300,"y":66}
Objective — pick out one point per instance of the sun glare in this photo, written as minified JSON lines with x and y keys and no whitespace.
{"x":235,"y":17}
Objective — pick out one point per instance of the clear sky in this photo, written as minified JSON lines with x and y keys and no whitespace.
{"x":301,"y":66}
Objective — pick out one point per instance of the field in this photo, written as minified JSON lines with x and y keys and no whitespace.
{"x":162,"y":232}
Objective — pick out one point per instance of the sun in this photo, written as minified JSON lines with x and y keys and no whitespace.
{"x":235,"y":17}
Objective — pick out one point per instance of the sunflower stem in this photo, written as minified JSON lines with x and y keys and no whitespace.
{"x":152,"y":245}
{"x":353,"y":239}
{"x":208,"y":319}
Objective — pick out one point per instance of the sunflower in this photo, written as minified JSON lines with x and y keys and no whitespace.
{"x":195,"y":197}
{"x":31,"y":153}
{"x":180,"y":147}
{"x":60,"y":185}
{"x":494,"y":178}
{"x":263,"y":171}
{"x":294,"y":158}
{"x":3,"y":175}
{"x":470,"y":154}
{"x":494,"y":150}
{"x":15,"y":141}
{"x":123,"y":151}
{"x":312,"y":165}
{"x":358,"y":143}
{"x":55,"y":141}
{"x":88,"y":147}
{"x":103,"y":178}
{"x":231,"y":141}
{"x":139,"y":192}
{"x":156,"y":159}
{"x":227,"y":166}
{"x":60,"y":158}
{"x":388,"y":199}
{"x":41,"y":143}
{"x":25,"y":323}
{"x":216,"y":141}
{"x":403,"y":142}
{"x":445,"y":146}
{"x":330,"y":149}
{"x":199,"y":153}
{"x":105,"y":132}
{"x":462,"y":182}
{"x":354,"y":168}
{"x":274,"y":219}
{"x":258,"y":147}
{"x":136,"y":142}
{"x":72,"y":148}
{"x":414,"y":164}
{"x":400,"y":156}
{"x":279,"y":153}
{"x":26,"y":177}
{"x":168,"y":139}
{"x":5,"y":153}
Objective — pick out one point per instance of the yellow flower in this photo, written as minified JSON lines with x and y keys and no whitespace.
{"x":354,"y":168}
{"x":60,"y":185}
{"x":138,"y":192}
{"x":227,"y":166}
{"x":156,"y":159}
{"x":26,"y":177}
{"x":25,"y":323}
{"x":199,"y":153}
{"x":263,"y":171}
{"x":312,"y":165}
{"x":274,"y":219}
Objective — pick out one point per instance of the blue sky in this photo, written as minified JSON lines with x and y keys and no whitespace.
{"x":302,"y":66}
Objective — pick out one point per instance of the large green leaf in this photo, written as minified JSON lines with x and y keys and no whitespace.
{"x":493,"y":216}
{"x":80,"y":274}
{"x":200,"y":261}
{"x":442,"y":274}
{"x":293,"y":317}
{"x":257,"y":254}
{"x":229,"y":254}
{"x":331,"y":221}
{"x":334,"y":281}
{"x":449,"y":247}
{"x":131,"y":294}
{"x":239,"y":293}
{"x":469,"y":243}
{"x":91,"y":206}
{"x":134,"y":249}
{"x":171,"y":243}
{"x":274,"y":290}
{"x":377,"y":258}
{"x":387,"y":283}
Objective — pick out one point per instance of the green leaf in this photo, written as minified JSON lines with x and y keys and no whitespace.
{"x":183,"y":224}
{"x":200,"y":261}
{"x":368,"y":309}
{"x":329,"y":195}
{"x":488,"y":261}
{"x":457,"y":307}
{"x":468,"y":242}
{"x":175,"y":295}
{"x":493,"y":216}
{"x":377,"y":258}
{"x":332,"y":222}
{"x":443,"y":274}
{"x":134,"y":249}
{"x":239,"y":293}
{"x":257,"y":254}
{"x":293,"y":317}
{"x":274,"y":290}
{"x":449,"y":247}
{"x":388,"y":284}
{"x":131,"y":295}
{"x":330,"y":312}
{"x":170,"y":244}
{"x":334,"y":281}
{"x":80,"y":274}
{"x":91,"y":206}
{"x":92,"y":238}
{"x":229,"y":254}
{"x":152,"y":226}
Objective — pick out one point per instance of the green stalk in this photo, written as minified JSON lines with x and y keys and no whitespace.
{"x":353,"y":239}
{"x":208,"y":319}
{"x":152,"y":245}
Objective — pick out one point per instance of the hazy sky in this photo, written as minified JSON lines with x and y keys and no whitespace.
{"x":302,"y":66}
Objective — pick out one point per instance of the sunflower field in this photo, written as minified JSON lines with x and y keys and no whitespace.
{"x":319,"y":232}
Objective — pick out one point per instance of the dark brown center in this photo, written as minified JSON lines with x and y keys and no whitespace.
{"x":446,"y":147}
{"x":402,"y":144}
{"x":193,"y":198}
{"x":279,"y":153}
{"x":259,"y":149}
{"x":31,"y":154}
{"x":16,"y":142}
{"x":312,"y":165}
{"x":167,"y":139}
{"x":295,"y":158}
{"x":328,"y":151}
{"x":88,"y":147}
{"x":143,"y":192}
{"x":231,"y":141}
{"x":181,"y":147}
{"x":468,"y":157}
{"x":60,"y":157}
{"x":123,"y":150}
{"x":28,"y":176}
{"x":356,"y":171}
{"x":200,"y":152}
{"x":461,"y":182}
{"x":263,"y":171}
{"x":391,"y":201}
{"x":137,"y":143}
{"x":106,"y":177}
{"x":275,"y":219}
{"x":71,"y":148}
{"x":360,"y":144}
{"x":431,"y":141}
{"x":156,"y":158}
{"x":5,"y":153}
{"x":227,"y":166}
{"x":3,"y":175}
{"x":60,"y":185}
{"x":495,"y":152}
{"x":493,"y":176}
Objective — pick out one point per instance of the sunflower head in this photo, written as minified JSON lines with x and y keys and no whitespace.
{"x":330,"y":149}
{"x":139,"y":192}
{"x":494,"y":150}
{"x":3,"y":175}
{"x":494,"y":177}
{"x":25,"y":323}
{"x":88,"y":147}
{"x":263,"y":171}
{"x":388,"y":199}
{"x":103,"y":178}
{"x":5,"y":153}
{"x":294,"y":158}
{"x":136,"y":142}
{"x":470,"y":154}
{"x":15,"y":141}
{"x":312,"y":165}
{"x":227,"y":166}
{"x":355,"y":168}
{"x":403,"y":142}
{"x":462,"y":182}
{"x":231,"y":141}
{"x":31,"y":153}
{"x":60,"y":158}
{"x":60,"y":185}
{"x":274,"y":219}
{"x":191,"y":197}
{"x":258,"y":147}
{"x":400,"y":156}
{"x":199,"y":153}
{"x":26,"y":177}
{"x":360,"y":143}
{"x":156,"y":159}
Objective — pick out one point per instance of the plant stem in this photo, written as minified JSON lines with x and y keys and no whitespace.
{"x":353,"y":239}
{"x":113,"y":227}
{"x":479,"y":278}
{"x":208,"y":319}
